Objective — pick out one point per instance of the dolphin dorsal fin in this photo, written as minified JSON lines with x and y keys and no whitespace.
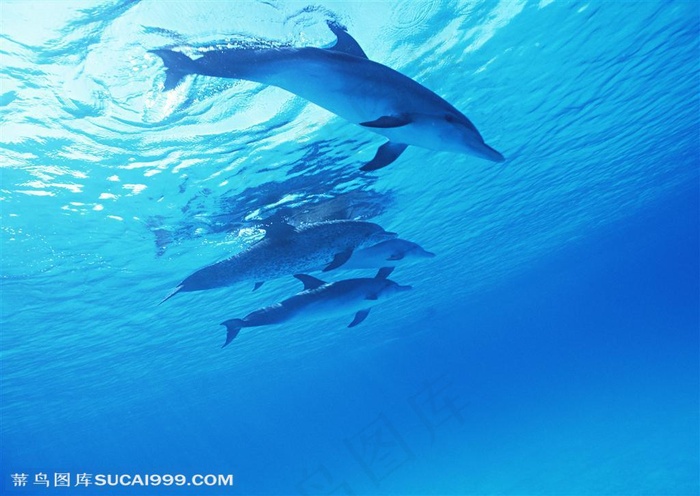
{"x":345,"y":43}
{"x":310,"y":282}
{"x":279,"y":230}
{"x":384,"y":272}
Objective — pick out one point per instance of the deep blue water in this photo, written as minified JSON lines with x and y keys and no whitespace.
{"x":551,"y":346}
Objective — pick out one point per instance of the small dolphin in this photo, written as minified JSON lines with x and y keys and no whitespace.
{"x":319,"y":300}
{"x":286,"y":250}
{"x":386,"y":254}
{"x":343,"y":80}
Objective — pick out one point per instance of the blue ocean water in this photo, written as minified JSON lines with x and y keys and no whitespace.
{"x":551,"y":346}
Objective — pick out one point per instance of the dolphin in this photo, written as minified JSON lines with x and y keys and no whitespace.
{"x":286,"y":250}
{"x":343,"y":80}
{"x":320,"y":299}
{"x":386,"y":254}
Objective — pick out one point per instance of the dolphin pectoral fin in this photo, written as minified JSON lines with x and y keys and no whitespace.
{"x":339,"y":259}
{"x":384,"y":272}
{"x":386,"y":154}
{"x":257,"y":285}
{"x":359,"y":317}
{"x":396,"y":256}
{"x":310,"y":282}
{"x":233,"y":327}
{"x":171,"y":294}
{"x":389,"y":121}
{"x":345,"y":43}
{"x":177,"y":66}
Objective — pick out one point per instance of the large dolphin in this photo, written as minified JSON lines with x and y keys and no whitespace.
{"x":388,"y":253}
{"x":286,"y":250}
{"x":320,"y":300}
{"x":344,"y":81}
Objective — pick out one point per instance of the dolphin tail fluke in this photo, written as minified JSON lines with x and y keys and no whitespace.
{"x":386,"y":154}
{"x":233,"y":327}
{"x":171,"y":294}
{"x":177,"y":66}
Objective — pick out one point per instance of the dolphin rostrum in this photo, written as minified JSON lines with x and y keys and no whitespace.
{"x":386,"y":254}
{"x":319,"y":300}
{"x":343,"y":80}
{"x":286,"y":250}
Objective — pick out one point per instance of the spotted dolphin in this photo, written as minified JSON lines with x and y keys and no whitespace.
{"x":286,"y":250}
{"x":344,"y":81}
{"x":388,"y":253}
{"x":320,"y":300}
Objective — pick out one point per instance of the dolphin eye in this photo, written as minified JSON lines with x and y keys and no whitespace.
{"x":450,"y":118}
